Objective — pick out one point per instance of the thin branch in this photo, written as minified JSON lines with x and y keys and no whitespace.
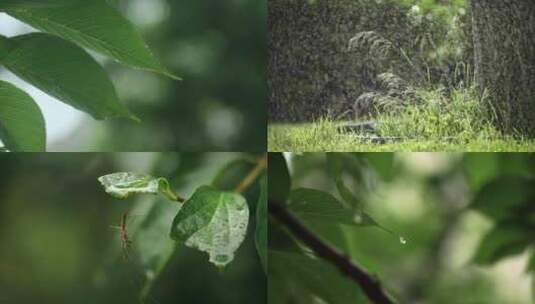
{"x":261,"y":165}
{"x":368,"y":283}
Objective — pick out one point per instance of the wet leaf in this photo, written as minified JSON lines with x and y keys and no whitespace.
{"x":22,"y":126}
{"x":94,"y":25}
{"x":151,"y":230}
{"x":124,"y":184}
{"x":316,"y":205}
{"x":212,"y":221}
{"x":65,"y":71}
{"x":279,"y":178}
{"x":33,"y":3}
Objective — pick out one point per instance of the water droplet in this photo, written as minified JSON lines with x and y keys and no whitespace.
{"x":357,"y":218}
{"x":402,"y":240}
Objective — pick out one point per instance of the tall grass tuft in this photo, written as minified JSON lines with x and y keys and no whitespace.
{"x":458,"y":117}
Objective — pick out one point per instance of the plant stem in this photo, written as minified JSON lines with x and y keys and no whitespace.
{"x":170,"y":194}
{"x":367,"y":282}
{"x":261,"y":165}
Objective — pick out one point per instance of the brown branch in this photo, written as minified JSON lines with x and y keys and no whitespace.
{"x":253,"y":174}
{"x":367,"y":282}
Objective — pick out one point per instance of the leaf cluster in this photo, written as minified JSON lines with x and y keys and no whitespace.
{"x":509,"y":202}
{"x":57,"y":62}
{"x":298,"y":275}
{"x":213,"y":219}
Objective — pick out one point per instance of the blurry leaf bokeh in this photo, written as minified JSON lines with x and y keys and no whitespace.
{"x":55,"y":219}
{"x":463,"y":227}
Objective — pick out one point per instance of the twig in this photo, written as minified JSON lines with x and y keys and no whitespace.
{"x":368,"y":283}
{"x":253,"y":174}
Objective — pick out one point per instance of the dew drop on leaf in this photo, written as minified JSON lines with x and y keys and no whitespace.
{"x":402,"y":240}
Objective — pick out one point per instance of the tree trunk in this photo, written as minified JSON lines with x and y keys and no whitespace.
{"x":504,"y":47}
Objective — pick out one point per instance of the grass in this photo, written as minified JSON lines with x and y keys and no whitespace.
{"x":435,"y":123}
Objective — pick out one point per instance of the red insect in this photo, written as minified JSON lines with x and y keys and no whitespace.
{"x":126,"y":243}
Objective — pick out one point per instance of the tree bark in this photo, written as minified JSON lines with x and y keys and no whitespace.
{"x":504,"y":47}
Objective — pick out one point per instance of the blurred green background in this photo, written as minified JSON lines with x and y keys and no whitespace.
{"x":428,"y":199}
{"x":57,"y":245}
{"x":217,"y":47}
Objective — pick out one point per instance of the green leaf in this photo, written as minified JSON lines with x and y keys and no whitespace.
{"x":65,"y":71}
{"x":151,"y":229}
{"x":22,"y":126}
{"x":33,"y":3}
{"x":347,"y":195}
{"x":123,"y":184}
{"x":500,"y":198}
{"x":212,"y":221}
{"x":335,"y":163}
{"x":97,"y":26}
{"x":305,"y":279}
{"x":315,"y":205}
{"x":262,"y":223}
{"x":278,"y":177}
{"x":382,"y":163}
{"x":480,"y":168}
{"x":531,"y":264}
{"x":502,"y":241}
{"x":4,"y":47}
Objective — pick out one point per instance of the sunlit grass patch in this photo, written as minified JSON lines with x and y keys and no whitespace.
{"x":435,"y":123}
{"x":322,"y":135}
{"x":459,"y":118}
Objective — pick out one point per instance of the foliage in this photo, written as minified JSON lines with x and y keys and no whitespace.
{"x":22,"y":126}
{"x":458,"y":215}
{"x":439,"y":8}
{"x":52,"y":60}
{"x":123,"y":184}
{"x":507,"y":200}
{"x":219,"y":47}
{"x":214,"y":222}
{"x":211,"y":220}
{"x":62,"y":216}
{"x":324,"y":214}
{"x":457,"y":119}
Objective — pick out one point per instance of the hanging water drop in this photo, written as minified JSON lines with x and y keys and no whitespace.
{"x":402,"y":240}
